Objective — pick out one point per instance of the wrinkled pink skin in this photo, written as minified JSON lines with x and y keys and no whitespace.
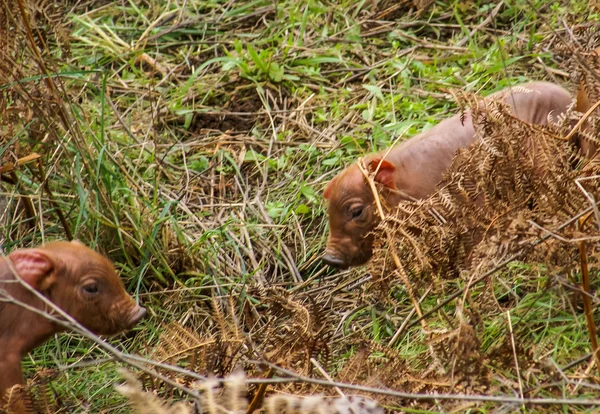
{"x":413,"y":169}
{"x":75,"y":278}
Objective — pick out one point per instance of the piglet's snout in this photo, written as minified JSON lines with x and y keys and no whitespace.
{"x":136,"y":315}
{"x":333,"y":261}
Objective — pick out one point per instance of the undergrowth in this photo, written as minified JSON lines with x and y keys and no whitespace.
{"x":190,"y":141}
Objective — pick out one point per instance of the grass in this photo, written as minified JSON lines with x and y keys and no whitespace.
{"x":201,"y":135}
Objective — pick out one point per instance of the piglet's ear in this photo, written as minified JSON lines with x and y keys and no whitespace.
{"x":77,"y":242}
{"x":34,"y":267}
{"x":329,"y":188}
{"x":385,"y":173}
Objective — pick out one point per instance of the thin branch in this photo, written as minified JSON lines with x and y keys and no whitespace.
{"x":434,"y":396}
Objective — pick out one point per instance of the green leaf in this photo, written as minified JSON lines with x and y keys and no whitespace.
{"x":252,"y":155}
{"x":199,"y":165}
{"x":308,"y":192}
{"x":302,"y":209}
{"x":275,"y":72}
{"x":503,"y":64}
{"x":188,"y":120}
{"x":276,"y":210}
{"x":331,"y":161}
{"x":375,"y":90}
{"x":316,"y":61}
{"x":261,"y":64}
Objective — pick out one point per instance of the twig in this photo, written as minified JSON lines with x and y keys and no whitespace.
{"x":587,"y":304}
{"x":589,"y":196}
{"x":402,"y":327}
{"x":434,"y":396}
{"x":326,"y":375}
{"x":260,"y":394}
{"x":484,"y":23}
{"x":581,"y":121}
{"x":59,"y":213}
{"x":514,"y":350}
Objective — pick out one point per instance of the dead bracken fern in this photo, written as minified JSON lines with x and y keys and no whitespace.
{"x":214,"y":352}
{"x":581,"y":59}
{"x":37,"y":395}
{"x":517,"y":184}
{"x":296,"y":329}
{"x":515,"y":174}
{"x":144,"y":402}
{"x":290,"y":331}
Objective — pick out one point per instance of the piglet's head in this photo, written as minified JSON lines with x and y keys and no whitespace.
{"x":82,"y":283}
{"x":352,"y":213}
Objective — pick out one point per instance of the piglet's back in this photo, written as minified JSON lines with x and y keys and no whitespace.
{"x":421,"y":161}
{"x":534,"y":101}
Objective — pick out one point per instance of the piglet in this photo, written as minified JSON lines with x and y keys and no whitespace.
{"x":76,"y":279}
{"x":413,"y":169}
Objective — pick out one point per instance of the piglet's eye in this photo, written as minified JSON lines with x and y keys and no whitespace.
{"x":91,"y":289}
{"x":357,"y":212}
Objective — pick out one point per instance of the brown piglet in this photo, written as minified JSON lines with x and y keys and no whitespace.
{"x":413,"y":169}
{"x":73,"y":277}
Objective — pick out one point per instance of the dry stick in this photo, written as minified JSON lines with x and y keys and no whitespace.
{"x":28,"y":205}
{"x":587,"y":303}
{"x":393,"y":254}
{"x":514,"y":350}
{"x":587,"y":195}
{"x":132,"y":357}
{"x":402,"y":327}
{"x":59,"y":212}
{"x":326,"y":375}
{"x":499,"y":266}
{"x":260,"y":394}
{"x":413,"y":396}
{"x":581,"y":121}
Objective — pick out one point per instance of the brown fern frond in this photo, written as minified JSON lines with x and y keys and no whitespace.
{"x":144,"y":402}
